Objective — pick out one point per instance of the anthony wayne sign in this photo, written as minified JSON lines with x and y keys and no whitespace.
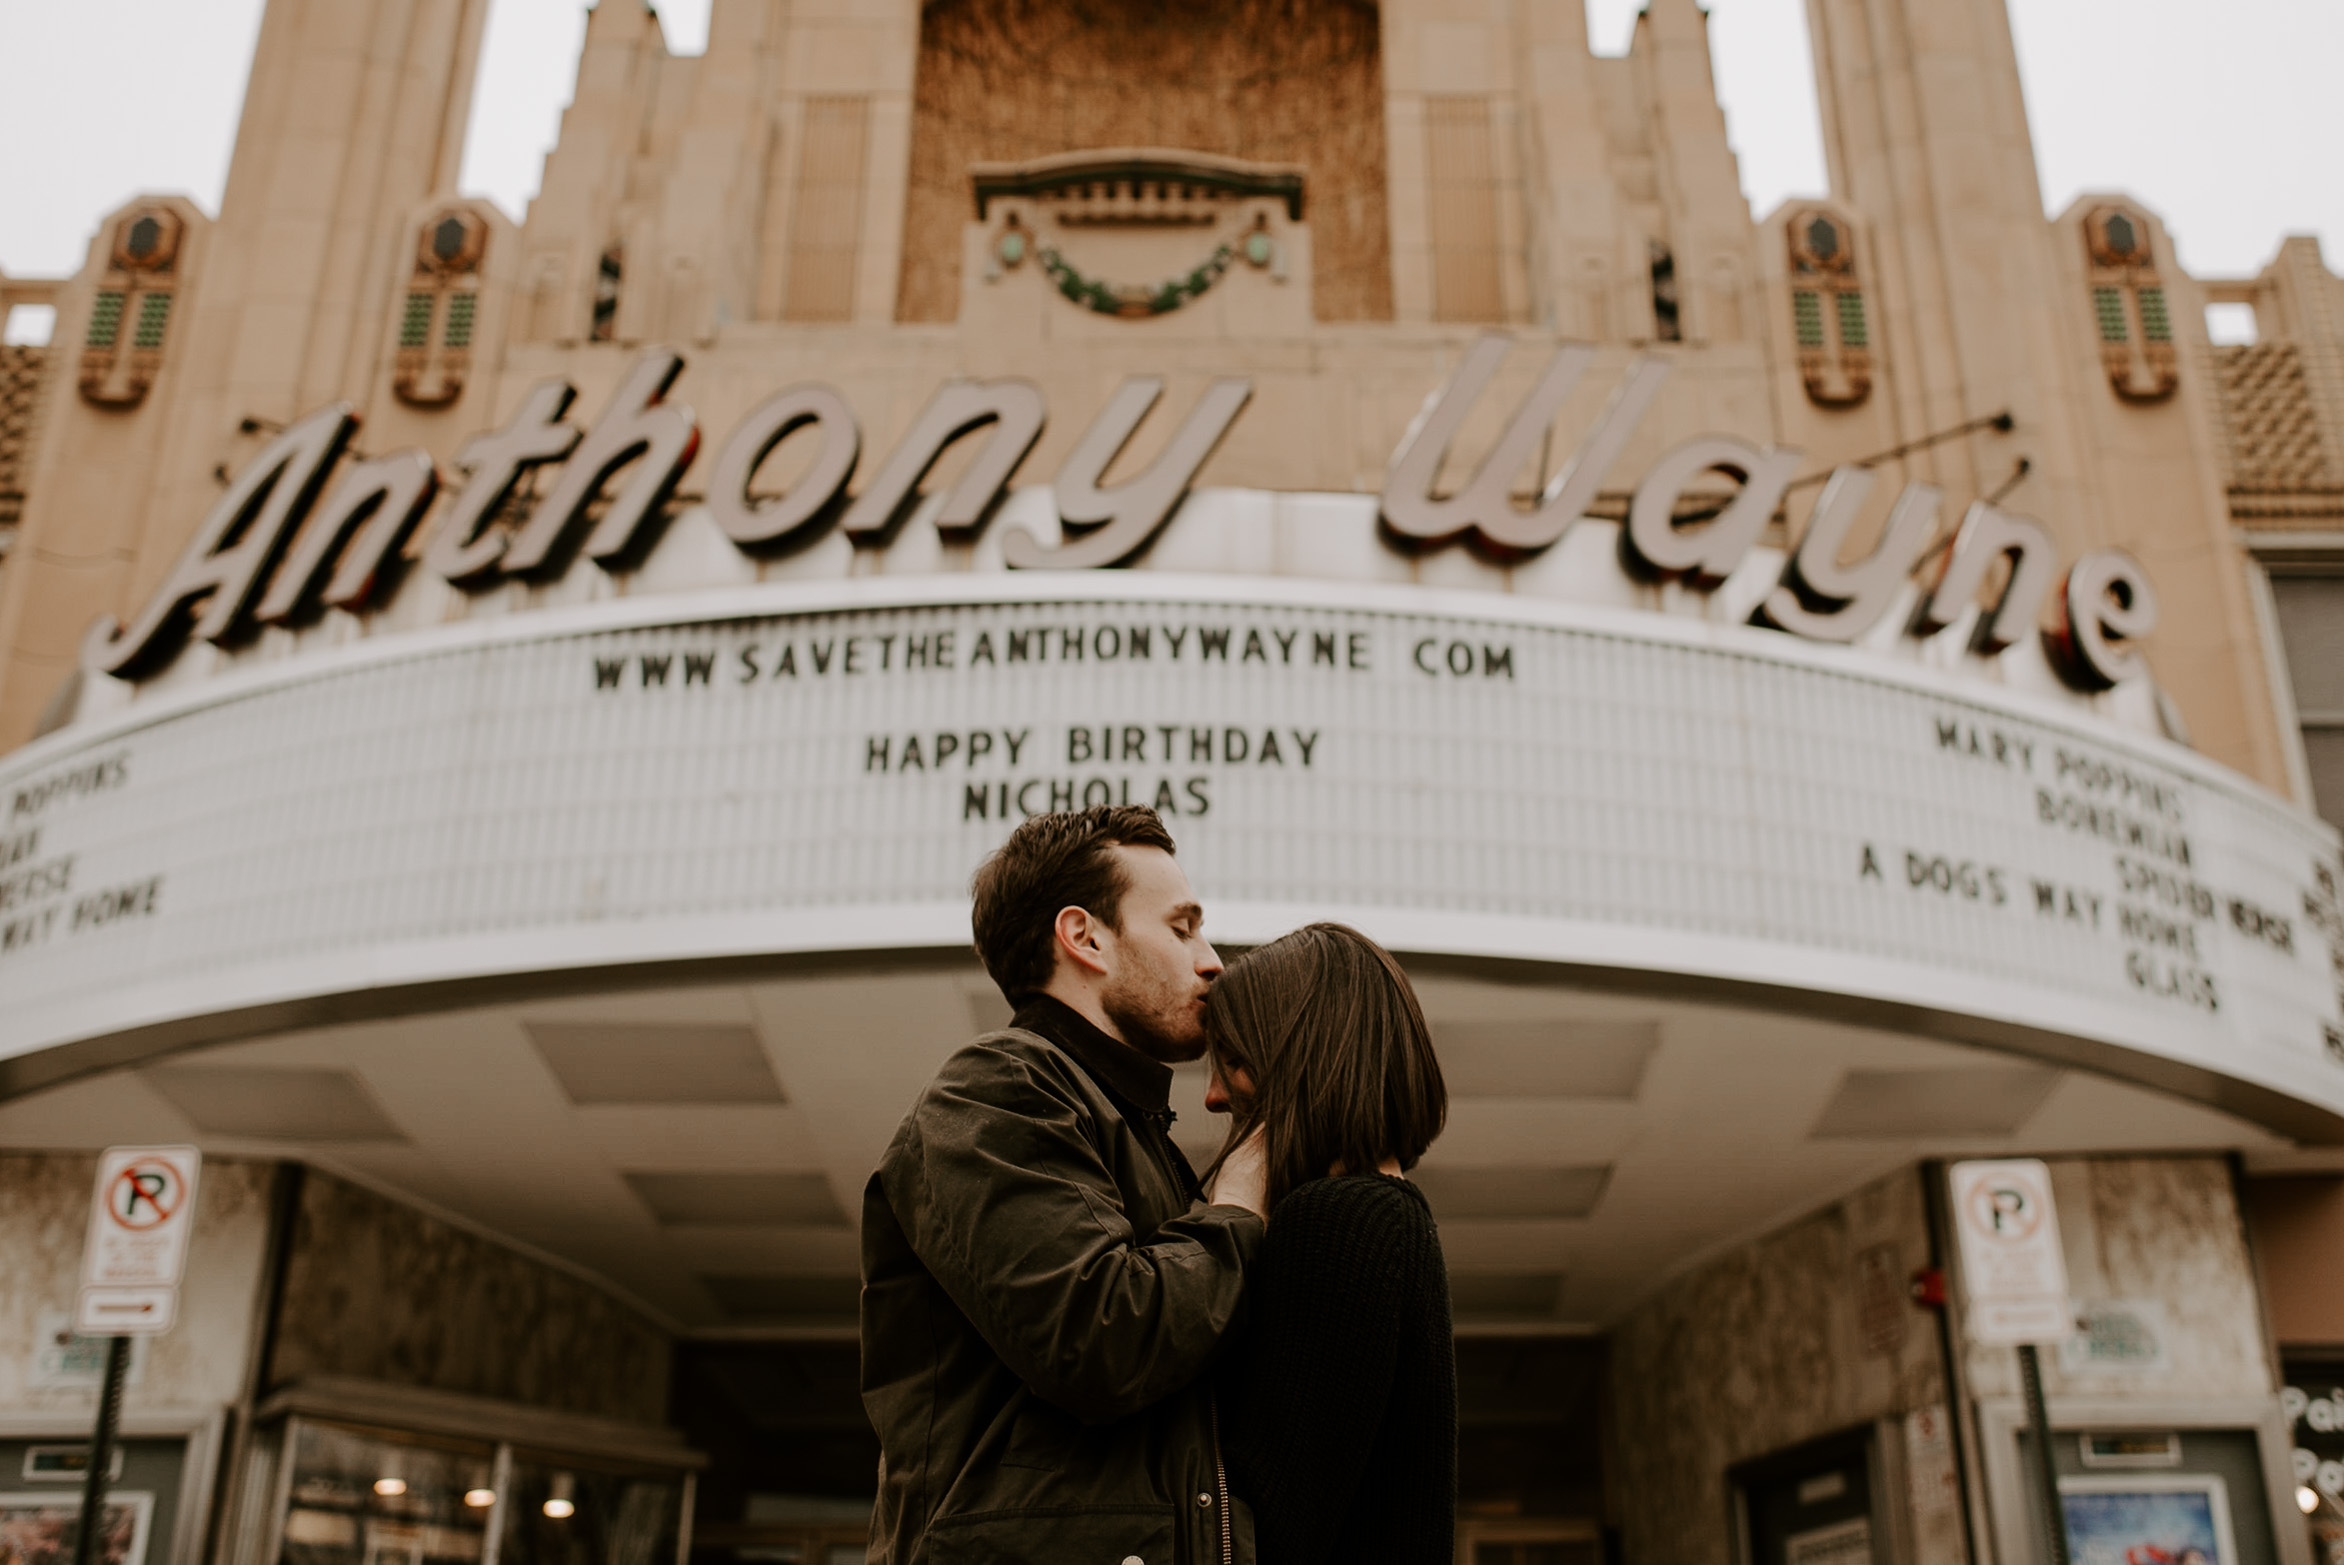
{"x":300,"y":530}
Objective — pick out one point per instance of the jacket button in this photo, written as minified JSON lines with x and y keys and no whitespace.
{"x":1205,"y":1500}
{"x":1133,"y":1559}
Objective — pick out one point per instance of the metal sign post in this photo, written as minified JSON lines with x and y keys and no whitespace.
{"x":2014,"y":1281}
{"x":2030,"y":1373}
{"x":93,"y":1483}
{"x":140,"y":1217}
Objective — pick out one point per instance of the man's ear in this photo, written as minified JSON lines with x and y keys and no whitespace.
{"x":1080,"y":939}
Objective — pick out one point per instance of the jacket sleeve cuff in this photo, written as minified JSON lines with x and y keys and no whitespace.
{"x":1243,"y":1225}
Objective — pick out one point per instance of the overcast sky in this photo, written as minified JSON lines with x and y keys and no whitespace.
{"x":2221,"y":117}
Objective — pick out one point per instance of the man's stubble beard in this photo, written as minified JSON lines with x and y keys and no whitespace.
{"x":1159,"y":1021}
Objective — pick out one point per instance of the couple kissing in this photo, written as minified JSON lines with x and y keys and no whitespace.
{"x":1076,"y":1348}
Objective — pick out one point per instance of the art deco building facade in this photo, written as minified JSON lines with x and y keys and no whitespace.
{"x":502,"y":714}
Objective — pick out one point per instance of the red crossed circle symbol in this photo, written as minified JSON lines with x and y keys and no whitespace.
{"x":2006,"y":1210}
{"x":145,"y":1194}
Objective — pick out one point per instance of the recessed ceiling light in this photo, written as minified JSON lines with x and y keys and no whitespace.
{"x":476,"y":1498}
{"x":390,"y":1486}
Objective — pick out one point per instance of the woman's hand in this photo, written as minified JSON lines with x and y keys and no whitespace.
{"x":1244,"y":1176}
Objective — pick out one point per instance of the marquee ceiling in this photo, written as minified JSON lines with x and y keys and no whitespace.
{"x":703,"y":1151}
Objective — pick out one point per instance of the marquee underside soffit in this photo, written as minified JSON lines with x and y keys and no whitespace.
{"x":703,"y":1150}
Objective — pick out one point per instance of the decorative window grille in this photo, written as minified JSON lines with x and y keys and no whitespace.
{"x":142,"y":275}
{"x":434,"y":356}
{"x":106,"y":318}
{"x":415,"y":324}
{"x":1852,"y":330}
{"x":2108,"y":310}
{"x":1829,"y":324}
{"x":2128,"y":306}
{"x":1807,"y":317}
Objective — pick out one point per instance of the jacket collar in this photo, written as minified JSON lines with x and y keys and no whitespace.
{"x":1126,"y":1074}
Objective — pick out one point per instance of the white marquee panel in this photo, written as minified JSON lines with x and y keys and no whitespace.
{"x":649,"y":782}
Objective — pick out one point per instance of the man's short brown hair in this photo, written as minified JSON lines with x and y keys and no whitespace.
{"x":1052,"y":862}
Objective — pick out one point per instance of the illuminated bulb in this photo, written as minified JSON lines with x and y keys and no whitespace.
{"x":390,"y":1486}
{"x":2307,"y":1499}
{"x":479,"y":1497}
{"x":559,"y":1509}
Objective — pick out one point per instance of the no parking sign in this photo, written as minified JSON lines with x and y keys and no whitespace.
{"x":140,"y":1216}
{"x":2013,"y":1272}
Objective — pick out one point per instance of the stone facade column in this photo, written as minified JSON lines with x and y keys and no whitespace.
{"x":1926,"y":137}
{"x":2311,"y":302}
{"x":89,"y":469}
{"x":354,"y":113}
{"x":1700,"y":181}
{"x":1983,"y":307}
{"x":1570,"y":199}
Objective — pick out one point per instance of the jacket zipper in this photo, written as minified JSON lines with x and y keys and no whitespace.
{"x":1221,"y":1481}
{"x":1161,"y":1121}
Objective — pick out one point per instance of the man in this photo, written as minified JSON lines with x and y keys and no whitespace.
{"x":1044,"y":1281}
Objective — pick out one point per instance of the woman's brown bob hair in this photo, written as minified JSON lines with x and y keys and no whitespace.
{"x":1327,"y":1026}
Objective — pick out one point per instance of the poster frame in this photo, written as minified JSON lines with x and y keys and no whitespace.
{"x":2010,"y":1508}
{"x":204,"y":1430}
{"x":2209,"y":1486}
{"x":139,"y":1502}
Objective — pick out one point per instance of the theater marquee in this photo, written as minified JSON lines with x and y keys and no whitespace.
{"x":717,"y":779}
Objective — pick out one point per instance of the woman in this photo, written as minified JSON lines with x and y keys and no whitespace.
{"x":1341,"y":1405}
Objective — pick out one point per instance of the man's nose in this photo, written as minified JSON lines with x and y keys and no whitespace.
{"x":1208,"y":962}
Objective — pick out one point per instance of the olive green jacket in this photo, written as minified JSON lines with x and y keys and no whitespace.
{"x":1041,"y":1297}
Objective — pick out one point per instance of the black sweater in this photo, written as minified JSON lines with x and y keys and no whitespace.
{"x":1343,"y":1399}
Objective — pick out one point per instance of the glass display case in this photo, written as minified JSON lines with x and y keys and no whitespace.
{"x":352,"y":1494}
{"x":366,"y":1497}
{"x":2313,"y":1403}
{"x":565,"y":1512}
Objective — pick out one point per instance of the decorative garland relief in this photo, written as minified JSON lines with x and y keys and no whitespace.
{"x":1133,"y":301}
